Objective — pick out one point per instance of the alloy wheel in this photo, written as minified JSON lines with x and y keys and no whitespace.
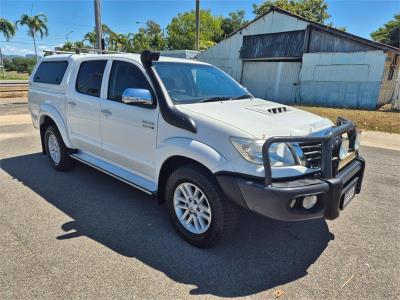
{"x":192,"y":208}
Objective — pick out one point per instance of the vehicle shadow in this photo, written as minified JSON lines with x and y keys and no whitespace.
{"x":262,"y":254}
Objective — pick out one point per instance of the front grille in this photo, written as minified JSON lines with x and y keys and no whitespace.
{"x":312,"y":154}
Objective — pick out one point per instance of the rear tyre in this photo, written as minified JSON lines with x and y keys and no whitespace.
{"x":198,"y":209}
{"x":56,"y":150}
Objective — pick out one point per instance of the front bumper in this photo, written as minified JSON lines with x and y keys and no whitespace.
{"x":274,"y":200}
{"x":282,"y":200}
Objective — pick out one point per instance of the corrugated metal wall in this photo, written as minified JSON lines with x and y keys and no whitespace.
{"x":275,"y":81}
{"x":281,"y":44}
{"x":225,"y":54}
{"x":341,"y":79}
{"x":335,"y":71}
{"x":322,"y":41}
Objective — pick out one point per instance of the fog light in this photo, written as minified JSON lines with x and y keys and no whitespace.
{"x":309,"y":201}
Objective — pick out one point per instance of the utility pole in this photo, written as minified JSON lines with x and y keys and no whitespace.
{"x":97,"y":16}
{"x":2,"y":64}
{"x":197,"y":25}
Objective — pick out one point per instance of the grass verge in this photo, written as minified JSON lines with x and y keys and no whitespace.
{"x":380,"y":120}
{"x":14,"y":75}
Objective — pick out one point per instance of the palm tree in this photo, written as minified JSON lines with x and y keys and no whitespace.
{"x":7,"y":29}
{"x":35,"y":24}
{"x":91,"y":38}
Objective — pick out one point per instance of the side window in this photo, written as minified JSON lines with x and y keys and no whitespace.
{"x":51,"y":72}
{"x":125,"y":75}
{"x":90,"y":76}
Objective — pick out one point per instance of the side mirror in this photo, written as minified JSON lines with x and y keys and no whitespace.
{"x":137,"y":96}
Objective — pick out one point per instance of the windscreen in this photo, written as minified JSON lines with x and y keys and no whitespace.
{"x":191,"y":83}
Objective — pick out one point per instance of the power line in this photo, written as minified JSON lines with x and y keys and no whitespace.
{"x":26,"y":43}
{"x":73,"y":24}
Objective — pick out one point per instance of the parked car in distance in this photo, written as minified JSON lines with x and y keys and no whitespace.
{"x":188,"y":133}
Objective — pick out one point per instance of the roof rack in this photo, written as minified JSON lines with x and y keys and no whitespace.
{"x":80,"y":51}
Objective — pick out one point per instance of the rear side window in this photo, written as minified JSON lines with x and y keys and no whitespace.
{"x":50,"y":72}
{"x":90,"y":76}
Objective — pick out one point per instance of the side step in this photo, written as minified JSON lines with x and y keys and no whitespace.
{"x":130,"y":178}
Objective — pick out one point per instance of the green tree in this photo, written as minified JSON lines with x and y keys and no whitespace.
{"x":389,"y":33}
{"x":36,"y":24}
{"x":118,"y":42}
{"x":20,"y":64}
{"x":140,"y":41}
{"x":68,"y":46}
{"x":149,"y":37}
{"x":181,"y":30}
{"x":313,"y":10}
{"x":80,"y":44}
{"x":108,"y":36}
{"x":7,"y":28}
{"x":155,"y":35}
{"x":232,"y":23}
{"x":91,"y":38}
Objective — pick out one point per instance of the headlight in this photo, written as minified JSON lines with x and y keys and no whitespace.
{"x":344,"y":148}
{"x":279,"y":153}
{"x":250,"y":149}
{"x":357,"y":141}
{"x":281,"y":156}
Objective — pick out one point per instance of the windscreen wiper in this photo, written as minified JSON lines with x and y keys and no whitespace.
{"x":244,"y":96}
{"x":216,"y":98}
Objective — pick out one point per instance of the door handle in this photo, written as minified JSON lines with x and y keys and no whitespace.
{"x":72,"y":103}
{"x":106,"y":112}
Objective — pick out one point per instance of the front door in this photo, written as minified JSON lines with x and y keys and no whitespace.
{"x":83,"y":107}
{"x":128,"y":131}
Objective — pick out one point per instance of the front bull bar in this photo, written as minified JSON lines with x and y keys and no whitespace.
{"x":342,"y":126}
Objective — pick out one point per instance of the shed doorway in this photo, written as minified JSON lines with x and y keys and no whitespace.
{"x":274,"y":81}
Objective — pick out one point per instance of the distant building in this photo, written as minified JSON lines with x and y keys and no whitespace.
{"x":286,"y":58}
{"x":188,"y":54}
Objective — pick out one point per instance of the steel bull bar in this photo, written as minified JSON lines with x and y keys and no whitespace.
{"x":338,"y":182}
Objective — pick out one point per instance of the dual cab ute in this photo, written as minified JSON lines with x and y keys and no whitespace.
{"x":187,"y":132}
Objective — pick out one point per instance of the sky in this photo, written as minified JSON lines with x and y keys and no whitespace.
{"x":361,"y":17}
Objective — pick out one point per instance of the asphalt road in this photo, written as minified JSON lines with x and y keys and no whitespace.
{"x":83,"y":234}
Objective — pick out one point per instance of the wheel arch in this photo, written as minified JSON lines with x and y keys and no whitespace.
{"x":50,"y":116}
{"x":171,"y":164}
{"x":182,"y":151}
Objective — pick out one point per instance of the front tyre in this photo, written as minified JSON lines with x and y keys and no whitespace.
{"x":197,"y":207}
{"x":56,"y":150}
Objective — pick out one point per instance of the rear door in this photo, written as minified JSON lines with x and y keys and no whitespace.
{"x":83,"y":106}
{"x":128,"y":131}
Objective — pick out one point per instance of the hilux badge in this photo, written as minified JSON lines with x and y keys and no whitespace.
{"x":148,"y":124}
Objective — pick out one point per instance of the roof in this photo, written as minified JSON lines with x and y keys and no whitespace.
{"x":326,"y":28}
{"x":131,"y":56}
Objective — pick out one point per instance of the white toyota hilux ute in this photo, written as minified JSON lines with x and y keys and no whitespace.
{"x":187,"y":132}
